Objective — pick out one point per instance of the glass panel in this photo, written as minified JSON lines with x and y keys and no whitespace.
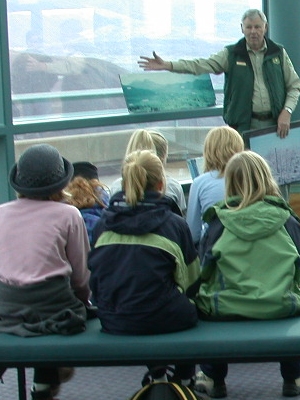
{"x":66,"y":55}
{"x":98,"y":145}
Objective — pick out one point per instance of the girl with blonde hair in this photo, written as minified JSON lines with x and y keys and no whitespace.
{"x":147,"y":139}
{"x":250,"y":260}
{"x":143,"y":259}
{"x":142,"y":171}
{"x":250,"y":177}
{"x":220,"y":144}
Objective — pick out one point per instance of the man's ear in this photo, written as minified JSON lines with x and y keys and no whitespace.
{"x":266,"y":28}
{"x":242,"y":28}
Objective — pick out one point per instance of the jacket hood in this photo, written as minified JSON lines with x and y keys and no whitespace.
{"x":146,"y":217}
{"x":256,"y":221}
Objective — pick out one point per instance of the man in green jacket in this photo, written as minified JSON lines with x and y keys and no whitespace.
{"x":261,"y":85}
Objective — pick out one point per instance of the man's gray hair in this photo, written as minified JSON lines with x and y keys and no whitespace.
{"x":254,"y":13}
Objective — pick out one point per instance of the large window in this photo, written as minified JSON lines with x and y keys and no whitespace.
{"x":66,"y":57}
{"x":60,"y":50}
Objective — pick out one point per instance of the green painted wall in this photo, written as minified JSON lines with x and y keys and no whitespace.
{"x":284,"y":28}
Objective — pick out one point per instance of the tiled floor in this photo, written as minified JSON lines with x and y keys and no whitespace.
{"x":244,"y":382}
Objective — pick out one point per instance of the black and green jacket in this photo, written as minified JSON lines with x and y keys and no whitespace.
{"x":239,"y":83}
{"x":142,"y":263}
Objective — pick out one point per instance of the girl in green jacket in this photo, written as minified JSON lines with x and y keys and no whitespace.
{"x":249,"y":260}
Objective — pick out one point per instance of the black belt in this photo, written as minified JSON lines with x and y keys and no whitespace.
{"x":262,"y":116}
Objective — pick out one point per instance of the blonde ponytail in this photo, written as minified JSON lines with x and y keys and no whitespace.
{"x":142,"y":170}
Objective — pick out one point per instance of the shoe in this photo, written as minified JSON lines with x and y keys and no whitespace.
{"x":214,"y":389}
{"x":65,"y":374}
{"x":41,"y":395}
{"x":190,"y":386}
{"x":196,"y":395}
{"x":192,"y":389}
{"x":291,"y":388}
{"x":2,"y":370}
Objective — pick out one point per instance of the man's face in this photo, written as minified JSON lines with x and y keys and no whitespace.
{"x":254,"y":31}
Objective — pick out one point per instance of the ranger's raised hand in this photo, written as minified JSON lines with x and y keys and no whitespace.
{"x":154,"y":64}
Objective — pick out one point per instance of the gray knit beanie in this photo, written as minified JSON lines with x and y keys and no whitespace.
{"x":40,"y":172}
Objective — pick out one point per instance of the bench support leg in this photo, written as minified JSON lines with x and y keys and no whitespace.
{"x":22,"y":383}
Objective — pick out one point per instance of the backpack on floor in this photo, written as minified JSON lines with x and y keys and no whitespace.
{"x":162,"y":391}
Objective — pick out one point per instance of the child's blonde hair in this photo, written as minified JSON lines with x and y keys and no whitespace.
{"x":249,"y":176}
{"x":146,"y":139}
{"x":84,"y":193}
{"x":142,"y":170}
{"x":220,"y":144}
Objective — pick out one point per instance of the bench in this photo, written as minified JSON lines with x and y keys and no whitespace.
{"x":239,"y":341}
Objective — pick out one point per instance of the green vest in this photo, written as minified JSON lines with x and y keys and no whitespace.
{"x":239,"y":83}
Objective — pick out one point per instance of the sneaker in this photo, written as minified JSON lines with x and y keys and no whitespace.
{"x":215,"y":389}
{"x":192,"y":390}
{"x":41,"y":395}
{"x":190,"y":386}
{"x":65,"y":374}
{"x":291,"y":388}
{"x":2,"y":370}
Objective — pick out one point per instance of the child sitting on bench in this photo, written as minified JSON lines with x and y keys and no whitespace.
{"x":43,"y":253}
{"x":144,"y":260}
{"x":250,"y":261}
